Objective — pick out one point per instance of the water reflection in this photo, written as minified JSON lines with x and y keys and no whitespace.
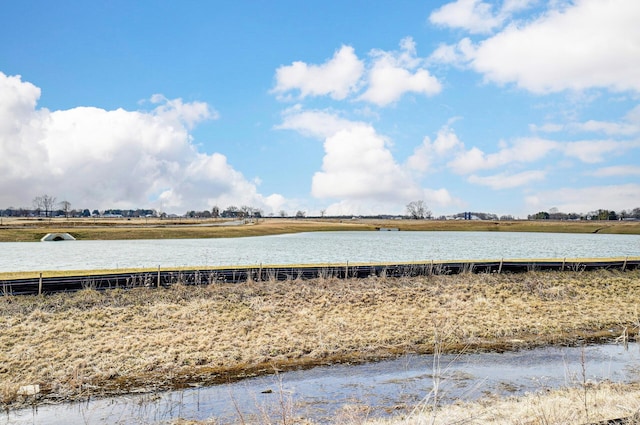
{"x":382,"y":388}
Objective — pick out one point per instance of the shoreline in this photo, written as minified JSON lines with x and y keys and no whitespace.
{"x":31,"y":230}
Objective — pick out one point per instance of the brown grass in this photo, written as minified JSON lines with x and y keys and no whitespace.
{"x":605,"y":401}
{"x":25,"y":230}
{"x":91,"y":343}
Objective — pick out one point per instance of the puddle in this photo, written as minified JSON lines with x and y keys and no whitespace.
{"x":384,"y":388}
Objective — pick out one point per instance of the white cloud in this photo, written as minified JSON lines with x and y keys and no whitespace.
{"x":508,"y":181}
{"x":585,"y":199}
{"x":95,"y":158}
{"x":187,"y":113}
{"x":318,"y":124}
{"x":474,"y":16}
{"x":587,"y":44}
{"x":618,"y":170}
{"x":458,"y":54}
{"x":627,"y":126}
{"x":389,"y":76}
{"x":611,"y":128}
{"x":358,"y":165}
{"x":358,"y":168}
{"x":425,"y":154}
{"x":395,"y":73}
{"x":593,"y":151}
{"x":524,"y":150}
{"x":337,"y":77}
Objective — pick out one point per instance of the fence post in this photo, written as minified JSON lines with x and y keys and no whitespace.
{"x":563,"y":261}
{"x":158,"y":276}
{"x":346,"y":271}
{"x":624,"y":265}
{"x":40,"y":284}
{"x":500,"y":268}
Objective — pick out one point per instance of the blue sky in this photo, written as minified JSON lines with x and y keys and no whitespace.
{"x":350,"y":107}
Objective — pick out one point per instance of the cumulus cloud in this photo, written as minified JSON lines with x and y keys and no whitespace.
{"x":586,"y":44}
{"x":474,"y":16}
{"x":358,"y":164}
{"x":358,"y":169}
{"x":337,"y":77}
{"x":614,"y":197}
{"x":96,"y":158}
{"x":395,"y":73}
{"x":387,"y":77}
{"x":424,"y":155}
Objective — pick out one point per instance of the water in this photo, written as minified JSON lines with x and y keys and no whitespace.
{"x":387,"y":387}
{"x":312,"y":248}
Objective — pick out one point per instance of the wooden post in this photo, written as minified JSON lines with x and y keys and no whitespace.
{"x":346,"y":271}
{"x":500,"y":268}
{"x":40,"y":284}
{"x":158,"y":276}
{"x":624,"y":265}
{"x":563,"y":261}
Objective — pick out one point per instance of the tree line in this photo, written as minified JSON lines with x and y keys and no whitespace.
{"x":48,"y":206}
{"x":600,"y":214}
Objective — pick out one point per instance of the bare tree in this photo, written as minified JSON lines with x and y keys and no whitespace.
{"x":44,"y":202}
{"x":418,"y":210}
{"x":66,"y":208}
{"x":300,"y":214}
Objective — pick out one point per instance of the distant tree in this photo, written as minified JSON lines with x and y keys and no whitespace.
{"x":86,"y":213}
{"x":44,"y":202}
{"x":231,"y":212}
{"x":283,"y":213}
{"x":215,"y":212}
{"x":542,"y":215}
{"x":300,"y":214}
{"x":246,"y":210}
{"x":418,"y":210}
{"x":323,"y":212}
{"x":66,"y":208}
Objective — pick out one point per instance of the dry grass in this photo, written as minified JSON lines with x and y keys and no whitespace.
{"x":91,"y":342}
{"x":605,"y":401}
{"x":25,"y":230}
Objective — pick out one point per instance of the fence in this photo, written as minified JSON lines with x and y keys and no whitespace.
{"x":160,"y":278}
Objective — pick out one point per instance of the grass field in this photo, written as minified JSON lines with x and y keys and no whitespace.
{"x":99,"y":343}
{"x":30,"y":230}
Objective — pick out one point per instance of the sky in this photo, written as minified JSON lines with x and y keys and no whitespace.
{"x":327,"y":107}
